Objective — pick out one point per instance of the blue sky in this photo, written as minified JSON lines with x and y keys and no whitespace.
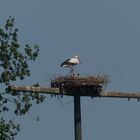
{"x":105,"y":34}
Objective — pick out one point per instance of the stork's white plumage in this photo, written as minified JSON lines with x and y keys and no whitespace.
{"x":71,"y":62}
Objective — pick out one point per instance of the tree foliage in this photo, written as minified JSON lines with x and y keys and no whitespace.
{"x":14,"y":65}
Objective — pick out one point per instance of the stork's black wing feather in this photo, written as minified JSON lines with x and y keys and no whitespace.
{"x":65,"y":62}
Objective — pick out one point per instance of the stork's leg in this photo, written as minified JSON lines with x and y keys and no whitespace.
{"x":71,"y":71}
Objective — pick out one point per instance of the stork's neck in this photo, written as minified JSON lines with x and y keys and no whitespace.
{"x":79,"y":60}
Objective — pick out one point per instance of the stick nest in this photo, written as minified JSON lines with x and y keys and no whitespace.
{"x":78,"y":81}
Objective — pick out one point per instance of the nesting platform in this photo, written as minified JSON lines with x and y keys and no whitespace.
{"x":85,"y":86}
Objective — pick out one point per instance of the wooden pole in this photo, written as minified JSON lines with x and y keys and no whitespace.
{"x":77,"y":106}
{"x":77,"y":118}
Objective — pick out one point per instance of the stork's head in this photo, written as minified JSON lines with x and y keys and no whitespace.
{"x":76,"y":56}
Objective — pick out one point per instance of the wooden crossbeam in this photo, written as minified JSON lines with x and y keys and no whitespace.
{"x":57,"y":91}
{"x":113,"y":94}
{"x":35,"y":89}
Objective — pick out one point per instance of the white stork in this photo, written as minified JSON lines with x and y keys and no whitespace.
{"x":70,"y":63}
